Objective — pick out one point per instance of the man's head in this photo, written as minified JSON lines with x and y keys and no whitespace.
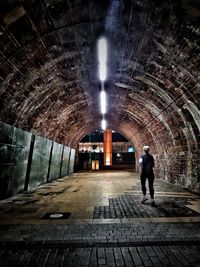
{"x":146,"y":149}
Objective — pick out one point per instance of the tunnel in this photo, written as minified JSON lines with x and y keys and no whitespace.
{"x":50,"y":100}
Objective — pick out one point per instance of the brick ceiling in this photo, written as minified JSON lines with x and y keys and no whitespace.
{"x":49,"y":71}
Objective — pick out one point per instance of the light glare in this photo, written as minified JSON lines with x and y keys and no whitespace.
{"x":102,"y":58}
{"x":103,"y":123}
{"x":103,"y":102}
{"x":102,"y":50}
{"x":102,"y":73}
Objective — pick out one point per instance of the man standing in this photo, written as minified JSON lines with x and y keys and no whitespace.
{"x":146,"y":163}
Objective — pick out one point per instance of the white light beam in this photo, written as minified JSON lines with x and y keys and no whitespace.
{"x":103,"y":124}
{"x":103,"y":102}
{"x":102,"y":58}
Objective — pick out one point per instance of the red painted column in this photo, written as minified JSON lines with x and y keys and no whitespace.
{"x":107,"y":145}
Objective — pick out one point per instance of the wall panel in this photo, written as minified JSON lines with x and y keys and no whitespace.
{"x":72,"y":159}
{"x":65,"y":162}
{"x":40,"y":162}
{"x":55,"y":162}
{"x":22,"y":168}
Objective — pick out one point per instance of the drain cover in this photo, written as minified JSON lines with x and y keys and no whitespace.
{"x":54,"y":216}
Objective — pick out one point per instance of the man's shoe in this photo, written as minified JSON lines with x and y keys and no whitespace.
{"x":144,"y":199}
{"x":153,"y":204}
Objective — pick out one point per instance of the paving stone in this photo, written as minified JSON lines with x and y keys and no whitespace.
{"x":101,"y":261}
{"x":111,"y":263}
{"x":73,"y":257}
{"x":129,"y":206}
{"x":92,"y":264}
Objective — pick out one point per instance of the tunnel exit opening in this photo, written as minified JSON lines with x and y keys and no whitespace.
{"x":91,"y":152}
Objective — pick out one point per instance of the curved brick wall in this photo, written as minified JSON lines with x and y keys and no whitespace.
{"x":49,"y":80}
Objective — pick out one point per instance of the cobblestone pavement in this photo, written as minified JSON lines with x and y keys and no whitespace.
{"x":107,"y":224}
{"x":180,"y":255}
{"x":102,"y":195}
{"x":129,"y":206}
{"x":138,"y":244}
{"x":103,"y":233}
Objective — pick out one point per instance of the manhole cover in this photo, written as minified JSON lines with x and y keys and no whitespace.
{"x":56,"y":215}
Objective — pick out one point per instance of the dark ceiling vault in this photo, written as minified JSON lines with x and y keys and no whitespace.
{"x":48,"y":69}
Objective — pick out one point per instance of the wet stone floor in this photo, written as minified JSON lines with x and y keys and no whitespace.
{"x":97,"y":219}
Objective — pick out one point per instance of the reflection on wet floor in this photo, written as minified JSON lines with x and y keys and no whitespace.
{"x":97,"y":219}
{"x":99,"y":196}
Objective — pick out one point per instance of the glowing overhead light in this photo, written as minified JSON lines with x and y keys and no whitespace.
{"x":102,"y":50}
{"x":103,"y":124}
{"x":103,"y":102}
{"x":102,"y":72}
{"x":102,"y":58}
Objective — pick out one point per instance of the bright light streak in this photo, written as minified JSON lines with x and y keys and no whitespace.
{"x":103,"y":124}
{"x":102,"y":58}
{"x":102,"y":72}
{"x":102,"y":50}
{"x":103,"y":102}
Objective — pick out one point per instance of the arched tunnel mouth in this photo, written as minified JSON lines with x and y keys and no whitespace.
{"x":92,"y":151}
